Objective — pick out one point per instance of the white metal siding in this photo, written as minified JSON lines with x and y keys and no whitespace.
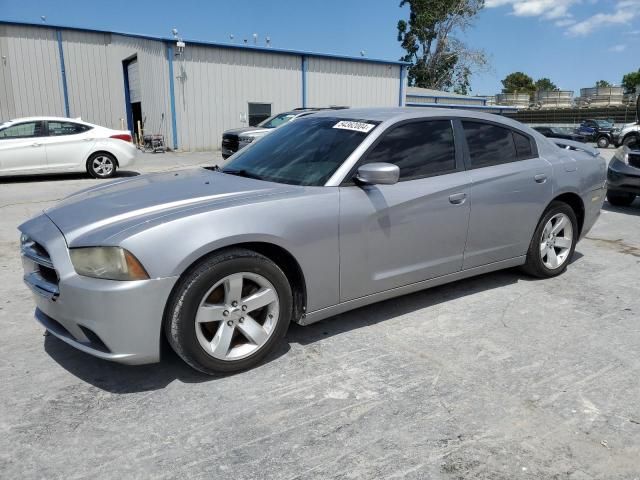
{"x":95,"y":79}
{"x":213,"y":87}
{"x":356,"y":84}
{"x":30,"y":82}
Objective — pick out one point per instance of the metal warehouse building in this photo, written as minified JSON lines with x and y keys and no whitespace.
{"x":190,"y":97}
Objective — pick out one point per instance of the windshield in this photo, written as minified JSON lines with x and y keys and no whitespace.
{"x":276,"y":120}
{"x":305,"y":152}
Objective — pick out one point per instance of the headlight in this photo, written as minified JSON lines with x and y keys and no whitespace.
{"x":246,"y":139}
{"x":110,"y":263}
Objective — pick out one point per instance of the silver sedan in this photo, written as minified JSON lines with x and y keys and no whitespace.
{"x":326,"y":214}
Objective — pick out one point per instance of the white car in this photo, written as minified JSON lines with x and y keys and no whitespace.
{"x":59,"y":145}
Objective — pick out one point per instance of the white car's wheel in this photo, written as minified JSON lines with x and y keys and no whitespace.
{"x":102,"y":165}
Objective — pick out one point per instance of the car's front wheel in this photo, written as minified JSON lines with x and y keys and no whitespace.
{"x":102,"y":165}
{"x":620,"y":199}
{"x":602,"y":142}
{"x":631,"y":141}
{"x":229,"y":312}
{"x":554,"y":242}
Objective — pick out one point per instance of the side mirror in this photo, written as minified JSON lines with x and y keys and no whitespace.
{"x":378,"y":174}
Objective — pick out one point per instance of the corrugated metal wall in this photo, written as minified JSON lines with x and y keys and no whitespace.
{"x":213,"y":87}
{"x":30,"y":81}
{"x":356,"y":84}
{"x":95,"y":79}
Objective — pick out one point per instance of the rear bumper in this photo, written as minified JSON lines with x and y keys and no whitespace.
{"x":623,"y":178}
{"x":113,"y":320}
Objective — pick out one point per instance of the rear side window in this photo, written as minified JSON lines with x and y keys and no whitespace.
{"x":489,"y":144}
{"x":419,"y":149}
{"x":66,"y":128}
{"x":524,"y":148}
{"x":23,"y":130}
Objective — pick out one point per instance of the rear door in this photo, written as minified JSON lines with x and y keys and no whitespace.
{"x":395,"y":235}
{"x":68,"y":145}
{"x":511,"y":187}
{"x":22,"y":149}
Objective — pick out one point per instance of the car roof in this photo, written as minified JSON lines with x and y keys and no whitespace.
{"x":50,"y":119}
{"x":394,"y":114}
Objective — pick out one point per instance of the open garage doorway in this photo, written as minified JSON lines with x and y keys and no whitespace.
{"x":132,"y":95}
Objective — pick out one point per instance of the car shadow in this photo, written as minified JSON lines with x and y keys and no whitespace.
{"x":62,"y":176}
{"x":633,"y":209}
{"x":120,"y":379}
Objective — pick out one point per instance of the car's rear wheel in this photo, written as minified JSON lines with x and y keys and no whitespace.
{"x":553,"y":243}
{"x":602,"y":142}
{"x":620,"y":199}
{"x":102,"y":165}
{"x":229,"y":312}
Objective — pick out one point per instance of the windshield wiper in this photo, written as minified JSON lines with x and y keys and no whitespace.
{"x":242,"y":173}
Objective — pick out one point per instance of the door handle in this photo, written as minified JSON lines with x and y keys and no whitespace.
{"x":35,"y":144}
{"x":457,"y":198}
{"x":540,"y":178}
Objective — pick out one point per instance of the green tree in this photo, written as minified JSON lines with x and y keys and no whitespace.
{"x":545,"y":84}
{"x":439,"y":60}
{"x":631,"y":82}
{"x":518,"y":82}
{"x":603,"y":83}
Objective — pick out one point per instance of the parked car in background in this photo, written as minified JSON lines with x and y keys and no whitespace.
{"x":599,"y":131}
{"x":238,"y":138}
{"x":560,"y":132}
{"x":623,"y":177}
{"x":39,"y":145}
{"x":326,"y":214}
{"x":627,"y":135}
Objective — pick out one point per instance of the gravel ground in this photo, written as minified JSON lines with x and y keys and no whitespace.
{"x":499,"y":377}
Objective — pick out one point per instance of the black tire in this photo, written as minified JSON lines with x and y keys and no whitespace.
{"x":631,"y":141}
{"x":105,"y":159}
{"x":534,"y":264}
{"x":602,"y":142}
{"x":180,"y":326}
{"x":620,"y":199}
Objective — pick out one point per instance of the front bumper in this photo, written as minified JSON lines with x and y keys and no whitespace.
{"x":113,"y":320}
{"x":623,"y":178}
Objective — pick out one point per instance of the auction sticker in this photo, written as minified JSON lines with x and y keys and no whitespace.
{"x":355,"y":126}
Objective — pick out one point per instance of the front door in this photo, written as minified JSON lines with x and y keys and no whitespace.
{"x":22,"y":149}
{"x":395,"y":235}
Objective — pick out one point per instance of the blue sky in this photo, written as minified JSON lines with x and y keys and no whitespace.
{"x":574,"y":42}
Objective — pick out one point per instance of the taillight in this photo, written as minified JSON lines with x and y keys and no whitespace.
{"x":124,"y":136}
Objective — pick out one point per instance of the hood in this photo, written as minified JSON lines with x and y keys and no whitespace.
{"x":122,"y":204}
{"x":246,"y":131}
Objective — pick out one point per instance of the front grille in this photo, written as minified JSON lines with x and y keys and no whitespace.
{"x":230,"y":141}
{"x":43,"y":273}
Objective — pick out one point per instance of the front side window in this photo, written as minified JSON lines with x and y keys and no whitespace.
{"x":22,"y":130}
{"x":66,"y":128}
{"x":489,"y":144}
{"x":305,"y":152}
{"x":419,"y":149}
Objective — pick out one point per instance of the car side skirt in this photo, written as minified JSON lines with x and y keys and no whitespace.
{"x":414,"y":287}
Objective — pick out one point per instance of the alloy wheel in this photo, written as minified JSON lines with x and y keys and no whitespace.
{"x":237,"y":316}
{"x":102,"y":165}
{"x":556,"y":241}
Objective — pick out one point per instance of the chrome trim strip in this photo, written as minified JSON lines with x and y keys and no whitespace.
{"x":31,"y":254}
{"x":41,"y":287}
